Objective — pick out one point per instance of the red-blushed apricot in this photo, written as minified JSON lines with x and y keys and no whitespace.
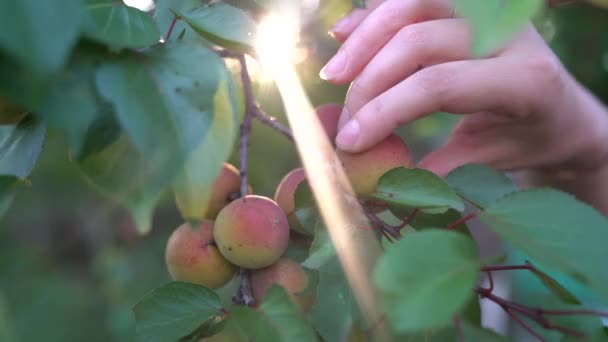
{"x":226,"y":185}
{"x":252,"y":232}
{"x":192,"y":257}
{"x":10,"y":113}
{"x":288,"y":274}
{"x":285,"y":197}
{"x":365,"y":169}
{"x":329,"y":114}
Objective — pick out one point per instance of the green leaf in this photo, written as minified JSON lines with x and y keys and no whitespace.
{"x":473,"y":332}
{"x":277,"y":319}
{"x":556,"y":288}
{"x":479,"y":184}
{"x":306,"y":212}
{"x":555,"y":230}
{"x":194,"y":182}
{"x":167,"y":125}
{"x":426,"y":278}
{"x":163,"y":16}
{"x":174,"y":310}
{"x":120,"y":172}
{"x":73,"y":104}
{"x":222,"y":24}
{"x":8,"y":189}
{"x":20,"y":147}
{"x":20,"y":85}
{"x":494,"y":22}
{"x":335,"y":309}
{"x":417,"y":188}
{"x":40,"y":33}
{"x":322,"y":248}
{"x":359,"y":3}
{"x":119,"y":26}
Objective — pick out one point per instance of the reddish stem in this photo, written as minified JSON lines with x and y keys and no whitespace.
{"x":523,"y":324}
{"x":460,"y":221}
{"x":175,"y":19}
{"x":508,"y":268}
{"x":408,"y":219}
{"x":459,"y":329}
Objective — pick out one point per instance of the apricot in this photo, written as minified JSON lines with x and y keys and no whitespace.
{"x":285,"y":197}
{"x":252,"y":232}
{"x":191,"y":256}
{"x":287,"y":274}
{"x":10,"y":113}
{"x":365,"y":169}
{"x":225,"y":188}
{"x":329,"y":115}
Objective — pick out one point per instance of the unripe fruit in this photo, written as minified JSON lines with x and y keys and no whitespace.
{"x":9,"y":113}
{"x":288,"y":274}
{"x":192,"y":257}
{"x":329,"y":115}
{"x":365,"y":169}
{"x":227,"y":183}
{"x":252,"y":232}
{"x":285,"y":197}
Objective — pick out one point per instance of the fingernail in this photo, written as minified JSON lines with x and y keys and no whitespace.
{"x":349,"y":134}
{"x":340,"y":26}
{"x":334,"y":67}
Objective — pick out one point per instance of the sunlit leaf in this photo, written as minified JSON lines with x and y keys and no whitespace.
{"x":426,"y":278}
{"x":555,"y":230}
{"x":417,"y":188}
{"x":222,"y":24}
{"x":164,"y":17}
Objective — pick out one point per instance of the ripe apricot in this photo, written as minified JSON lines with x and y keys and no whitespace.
{"x":365,"y":169}
{"x":252,"y":232}
{"x":285,"y":197}
{"x":288,"y":274}
{"x":191,"y":256}
{"x":329,"y":114}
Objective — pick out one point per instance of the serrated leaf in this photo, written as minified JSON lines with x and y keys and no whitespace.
{"x":417,"y":188}
{"x":174,"y":310}
{"x":194,"y":182}
{"x":118,"y":25}
{"x":426,"y":278}
{"x":555,"y":230}
{"x":40,"y":34}
{"x":335,"y":308}
{"x":222,"y":24}
{"x":479,"y":184}
{"x":20,"y":147}
{"x":494,"y":22}
{"x":277,"y":319}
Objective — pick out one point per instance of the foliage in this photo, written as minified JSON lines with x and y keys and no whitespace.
{"x":143,"y":116}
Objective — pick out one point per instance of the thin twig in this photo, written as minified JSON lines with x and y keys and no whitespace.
{"x":385,"y":228}
{"x":245,"y":124}
{"x":272,"y":122}
{"x":460,"y":221}
{"x":523,"y":324}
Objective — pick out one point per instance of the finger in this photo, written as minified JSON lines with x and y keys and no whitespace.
{"x":328,"y":115}
{"x":343,"y":28}
{"x":377,"y":29}
{"x":412,"y":48}
{"x":455,"y":87}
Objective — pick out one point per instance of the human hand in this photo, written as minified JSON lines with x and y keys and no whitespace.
{"x":409,"y":58}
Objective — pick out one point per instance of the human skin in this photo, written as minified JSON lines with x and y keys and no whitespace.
{"x":191,"y":256}
{"x":252,"y":232}
{"x":521,"y":108}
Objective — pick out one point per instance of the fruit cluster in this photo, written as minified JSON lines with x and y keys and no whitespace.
{"x":253,"y":232}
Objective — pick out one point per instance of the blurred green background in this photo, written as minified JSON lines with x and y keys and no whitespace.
{"x":71,"y":264}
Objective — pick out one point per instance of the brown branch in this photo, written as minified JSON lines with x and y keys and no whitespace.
{"x":245,"y":124}
{"x":272,"y":122}
{"x":244,"y":294}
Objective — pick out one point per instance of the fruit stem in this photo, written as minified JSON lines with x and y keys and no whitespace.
{"x":175,"y":19}
{"x":244,"y":295}
{"x":272,"y":122}
{"x":460,"y":221}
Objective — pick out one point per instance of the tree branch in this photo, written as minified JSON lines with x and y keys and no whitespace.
{"x":272,"y":122}
{"x":250,"y":107}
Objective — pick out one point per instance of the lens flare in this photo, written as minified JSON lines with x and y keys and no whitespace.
{"x":356,"y":244}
